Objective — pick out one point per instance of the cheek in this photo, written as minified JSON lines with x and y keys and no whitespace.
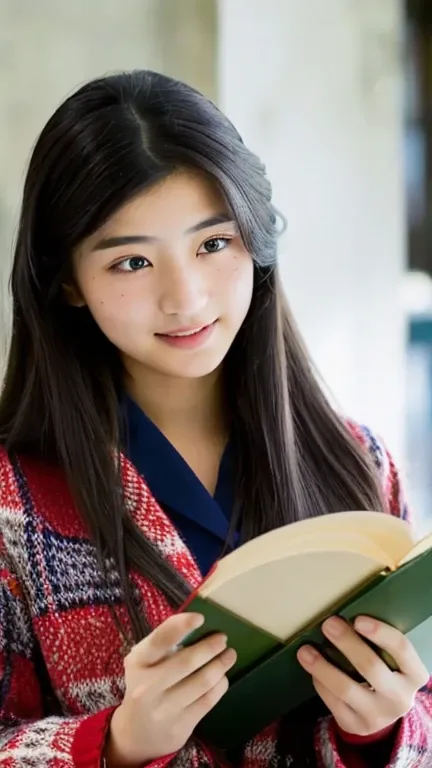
{"x":236,"y":285}
{"x":116,"y":310}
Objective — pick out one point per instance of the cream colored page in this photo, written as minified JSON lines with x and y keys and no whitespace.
{"x":422,"y":546}
{"x":329,"y":541}
{"x":283,"y":596}
{"x":390,"y":534}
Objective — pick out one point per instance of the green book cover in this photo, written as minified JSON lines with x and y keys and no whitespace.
{"x":268,"y":682}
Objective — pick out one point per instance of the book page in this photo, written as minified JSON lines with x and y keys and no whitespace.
{"x":393,"y":538}
{"x":284,"y":596}
{"x":422,"y":546}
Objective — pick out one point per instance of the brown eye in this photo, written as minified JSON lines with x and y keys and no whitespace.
{"x":215,"y":244}
{"x":131,"y":264}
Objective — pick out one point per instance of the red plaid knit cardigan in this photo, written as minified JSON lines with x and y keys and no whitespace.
{"x":55,"y":624}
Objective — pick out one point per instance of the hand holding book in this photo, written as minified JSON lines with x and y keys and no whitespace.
{"x":273,"y":595}
{"x":389,"y":695}
{"x":167,"y":692}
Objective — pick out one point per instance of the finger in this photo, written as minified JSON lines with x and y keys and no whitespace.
{"x":187,"y":661}
{"x":346,"y":718}
{"x":363,"y":658}
{"x":202,"y":682}
{"x":357,"y":696}
{"x":156,"y":646}
{"x":397,"y":645}
{"x":201,"y":707}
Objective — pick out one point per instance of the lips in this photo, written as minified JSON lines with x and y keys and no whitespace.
{"x":188,"y":338}
{"x":181,"y":332}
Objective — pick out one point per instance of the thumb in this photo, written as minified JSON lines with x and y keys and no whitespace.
{"x":164,"y":639}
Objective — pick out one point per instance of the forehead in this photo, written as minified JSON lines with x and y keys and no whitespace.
{"x":168,"y":208}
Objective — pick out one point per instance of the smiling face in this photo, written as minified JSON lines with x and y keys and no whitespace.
{"x":167,"y":279}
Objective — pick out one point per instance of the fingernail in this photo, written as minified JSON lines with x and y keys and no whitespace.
{"x":197,"y":622}
{"x":365,"y":624}
{"x":334,"y":626}
{"x":230,"y":656}
{"x":307,"y":654}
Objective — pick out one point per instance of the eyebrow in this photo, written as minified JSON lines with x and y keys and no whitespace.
{"x":115,"y":242}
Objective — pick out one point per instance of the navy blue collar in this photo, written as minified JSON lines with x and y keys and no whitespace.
{"x":170,"y":479}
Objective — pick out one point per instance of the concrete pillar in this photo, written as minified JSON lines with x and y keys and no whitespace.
{"x":315,"y":88}
{"x":49,"y":48}
{"x":187,"y":36}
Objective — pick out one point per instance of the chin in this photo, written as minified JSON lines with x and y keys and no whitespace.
{"x":192,"y":371}
{"x":196,"y":367}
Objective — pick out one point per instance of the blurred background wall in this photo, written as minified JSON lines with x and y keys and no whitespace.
{"x":334,"y":96}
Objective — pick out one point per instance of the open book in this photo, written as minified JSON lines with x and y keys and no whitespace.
{"x":271,"y":595}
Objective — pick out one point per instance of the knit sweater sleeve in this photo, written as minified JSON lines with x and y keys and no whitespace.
{"x":29,"y":734}
{"x":411,"y":740}
{"x":27,"y":737}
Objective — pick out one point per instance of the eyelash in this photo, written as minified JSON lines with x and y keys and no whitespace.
{"x":226,"y":238}
{"x":117,"y":266}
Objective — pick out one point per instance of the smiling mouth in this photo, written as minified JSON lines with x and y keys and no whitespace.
{"x":188,"y":338}
{"x":186,"y":332}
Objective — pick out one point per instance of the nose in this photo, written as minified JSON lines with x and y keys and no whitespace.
{"x":183,"y":293}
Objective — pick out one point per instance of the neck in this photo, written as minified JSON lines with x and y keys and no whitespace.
{"x":177,"y":404}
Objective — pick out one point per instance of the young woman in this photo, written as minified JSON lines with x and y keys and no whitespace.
{"x":158,"y":409}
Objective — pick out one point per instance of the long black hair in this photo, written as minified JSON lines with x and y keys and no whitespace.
{"x":113,"y":138}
